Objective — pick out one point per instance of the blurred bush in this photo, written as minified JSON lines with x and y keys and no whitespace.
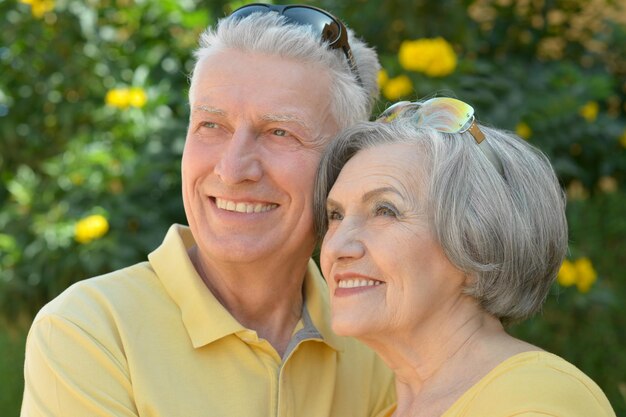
{"x":554,"y":71}
{"x":93,"y":113}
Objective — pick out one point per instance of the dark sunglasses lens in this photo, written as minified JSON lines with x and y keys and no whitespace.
{"x":325,"y":25}
{"x":248,"y":10}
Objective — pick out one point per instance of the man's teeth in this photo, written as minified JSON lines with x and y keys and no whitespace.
{"x":244,"y":207}
{"x":354,"y":283}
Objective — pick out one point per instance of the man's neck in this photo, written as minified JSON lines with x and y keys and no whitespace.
{"x":267,"y":300}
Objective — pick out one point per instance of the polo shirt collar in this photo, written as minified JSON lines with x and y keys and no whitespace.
{"x":318,"y":306}
{"x":204,"y":317}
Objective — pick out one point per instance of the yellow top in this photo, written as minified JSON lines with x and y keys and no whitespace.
{"x":532,"y":384}
{"x":152,"y":340}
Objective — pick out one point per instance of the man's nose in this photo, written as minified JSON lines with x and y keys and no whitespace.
{"x":240,"y":160}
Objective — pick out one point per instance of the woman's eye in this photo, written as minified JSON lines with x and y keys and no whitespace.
{"x":333,"y":215}
{"x":384,"y":210}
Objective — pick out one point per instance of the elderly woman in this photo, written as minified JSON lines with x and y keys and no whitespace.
{"x":438,"y":232}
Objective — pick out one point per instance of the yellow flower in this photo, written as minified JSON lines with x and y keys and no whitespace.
{"x":383,"y":77}
{"x":580,"y":273}
{"x":586,"y":274}
{"x":433,"y":57}
{"x":408,"y":55}
{"x":576,"y":191}
{"x":137,"y":97}
{"x":589,"y":111}
{"x":91,"y":228}
{"x":567,"y":274}
{"x":39,"y":7}
{"x":523,"y":130}
{"x":607,"y":184}
{"x":398,"y":87}
{"x":125,"y":97}
{"x":622,"y":139}
{"x":118,"y":97}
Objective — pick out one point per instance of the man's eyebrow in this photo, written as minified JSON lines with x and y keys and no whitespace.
{"x":209,"y":109}
{"x":274,"y":117}
{"x":269,"y":117}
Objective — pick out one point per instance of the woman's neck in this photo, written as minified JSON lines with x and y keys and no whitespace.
{"x":441,"y":359}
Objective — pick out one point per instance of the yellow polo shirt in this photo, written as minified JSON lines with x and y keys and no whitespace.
{"x":151,"y":340}
{"x":532,"y":384}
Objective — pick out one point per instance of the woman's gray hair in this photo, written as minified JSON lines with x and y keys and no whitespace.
{"x":271,"y":33}
{"x":507,"y":232}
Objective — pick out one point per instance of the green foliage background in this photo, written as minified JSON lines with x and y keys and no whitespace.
{"x":65,"y":154}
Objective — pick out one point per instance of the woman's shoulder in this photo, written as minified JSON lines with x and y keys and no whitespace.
{"x":535,"y":382}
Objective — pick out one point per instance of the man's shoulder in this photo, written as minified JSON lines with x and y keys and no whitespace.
{"x":110,"y":293}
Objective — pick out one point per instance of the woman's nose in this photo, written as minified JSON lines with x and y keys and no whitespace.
{"x":343,"y":243}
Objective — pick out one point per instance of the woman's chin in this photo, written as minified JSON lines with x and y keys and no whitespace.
{"x":350,"y":326}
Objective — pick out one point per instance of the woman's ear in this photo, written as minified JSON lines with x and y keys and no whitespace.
{"x":470,"y":280}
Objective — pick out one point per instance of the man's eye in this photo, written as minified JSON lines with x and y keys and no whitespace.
{"x":208,"y":125}
{"x":279,"y":132}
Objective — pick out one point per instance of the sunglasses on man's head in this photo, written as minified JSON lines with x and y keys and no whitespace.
{"x":444,"y":114}
{"x":329,"y":28}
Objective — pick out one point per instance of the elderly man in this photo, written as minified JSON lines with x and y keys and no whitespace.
{"x":229,"y":317}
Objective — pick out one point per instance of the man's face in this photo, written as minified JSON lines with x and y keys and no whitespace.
{"x":258,"y":126}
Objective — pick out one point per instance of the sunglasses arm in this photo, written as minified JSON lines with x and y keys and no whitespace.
{"x":487,"y":150}
{"x":485,"y":147}
{"x":343,"y":43}
{"x":479,"y":136}
{"x":352,"y":63}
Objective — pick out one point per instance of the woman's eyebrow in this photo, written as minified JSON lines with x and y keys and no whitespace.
{"x":372,"y":194}
{"x":368,"y":196}
{"x":330,"y":203}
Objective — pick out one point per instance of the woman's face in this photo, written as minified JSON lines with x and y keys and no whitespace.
{"x":386,"y":272}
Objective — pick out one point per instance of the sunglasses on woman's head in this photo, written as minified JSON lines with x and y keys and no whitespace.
{"x":446,"y":115}
{"x":329,"y":28}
